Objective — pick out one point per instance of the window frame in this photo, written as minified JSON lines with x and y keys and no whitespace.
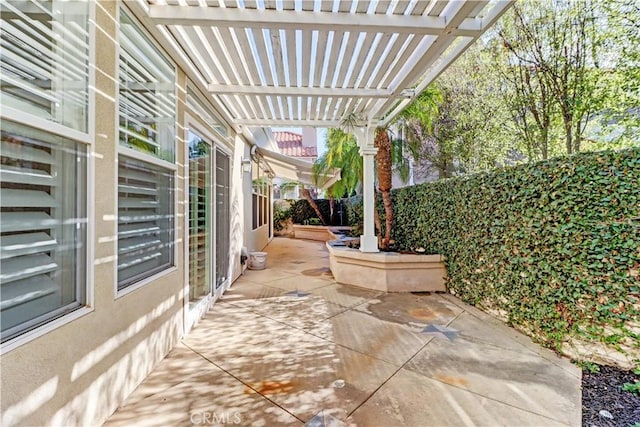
{"x":14,"y":114}
{"x":122,"y":150}
{"x":172,"y":266}
{"x":86,"y":139}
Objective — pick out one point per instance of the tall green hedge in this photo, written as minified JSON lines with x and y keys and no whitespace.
{"x":553,"y":246}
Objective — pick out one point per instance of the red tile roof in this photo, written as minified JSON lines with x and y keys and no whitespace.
{"x":290,"y":144}
{"x":286,"y":136}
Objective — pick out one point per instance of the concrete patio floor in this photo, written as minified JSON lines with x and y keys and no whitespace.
{"x":288,"y":346}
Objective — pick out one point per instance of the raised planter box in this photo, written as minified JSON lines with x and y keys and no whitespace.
{"x":387,"y":271}
{"x":321,"y":233}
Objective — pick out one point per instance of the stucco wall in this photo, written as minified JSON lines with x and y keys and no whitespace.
{"x":79,"y":373}
{"x":259,"y":238}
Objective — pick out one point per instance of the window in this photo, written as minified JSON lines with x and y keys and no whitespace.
{"x":261,"y":197}
{"x":147,"y":94}
{"x":260,"y":202}
{"x":44,"y":60}
{"x":43,"y":242}
{"x":44,"y":74}
{"x":145,"y":220}
{"x":147,"y":107}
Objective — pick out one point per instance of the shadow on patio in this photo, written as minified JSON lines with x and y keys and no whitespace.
{"x":288,"y":346}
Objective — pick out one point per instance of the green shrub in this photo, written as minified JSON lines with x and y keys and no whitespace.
{"x":554,"y":246}
{"x":281,"y":214}
{"x":301,"y":212}
{"x":353,"y":206}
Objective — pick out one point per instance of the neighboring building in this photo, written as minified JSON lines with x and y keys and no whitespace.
{"x":301,"y":146}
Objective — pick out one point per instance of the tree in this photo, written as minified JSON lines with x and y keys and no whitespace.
{"x":413,"y":125}
{"x":619,"y":31}
{"x":553,"y":51}
{"x":475,"y":103}
{"x":306,"y":194}
{"x":447,"y":127}
{"x":385,"y":175}
{"x":342,"y":153}
{"x":433,"y":141}
{"x":530,"y":105}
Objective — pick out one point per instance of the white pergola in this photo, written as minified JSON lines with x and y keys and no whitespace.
{"x":307,"y":63}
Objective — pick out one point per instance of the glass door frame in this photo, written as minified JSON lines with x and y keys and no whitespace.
{"x":194,"y":311}
{"x":220,"y":289}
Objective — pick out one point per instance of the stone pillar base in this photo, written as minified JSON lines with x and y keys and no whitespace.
{"x":369,"y":244}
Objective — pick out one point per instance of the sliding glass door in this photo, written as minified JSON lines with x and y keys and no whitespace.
{"x":200,"y":215}
{"x":208,"y":224}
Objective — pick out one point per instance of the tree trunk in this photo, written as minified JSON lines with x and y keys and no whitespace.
{"x":577,"y":138}
{"x":569,"y":137}
{"x":332,"y":205}
{"x":544,"y":143}
{"x":307,"y":195}
{"x":383,"y":158}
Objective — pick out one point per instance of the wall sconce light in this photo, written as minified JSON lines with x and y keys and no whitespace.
{"x":246,"y":165}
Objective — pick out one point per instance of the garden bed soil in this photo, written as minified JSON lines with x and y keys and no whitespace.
{"x":603,"y":398}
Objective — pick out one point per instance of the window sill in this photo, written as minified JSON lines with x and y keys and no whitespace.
{"x":142,"y":283}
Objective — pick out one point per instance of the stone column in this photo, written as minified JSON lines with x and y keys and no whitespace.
{"x":365,"y":136}
{"x":368,"y":241}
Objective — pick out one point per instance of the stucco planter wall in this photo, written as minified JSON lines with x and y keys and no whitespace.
{"x":387,"y":271}
{"x":321,"y":233}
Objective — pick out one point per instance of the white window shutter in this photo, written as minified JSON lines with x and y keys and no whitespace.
{"x":41,"y":228}
{"x":145,"y":221}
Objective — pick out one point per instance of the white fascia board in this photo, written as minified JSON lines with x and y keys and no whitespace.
{"x":308,"y":20}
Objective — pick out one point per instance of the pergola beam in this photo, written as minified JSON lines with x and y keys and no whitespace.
{"x":301,"y":20}
{"x":287,"y":122}
{"x":222,"y":89}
